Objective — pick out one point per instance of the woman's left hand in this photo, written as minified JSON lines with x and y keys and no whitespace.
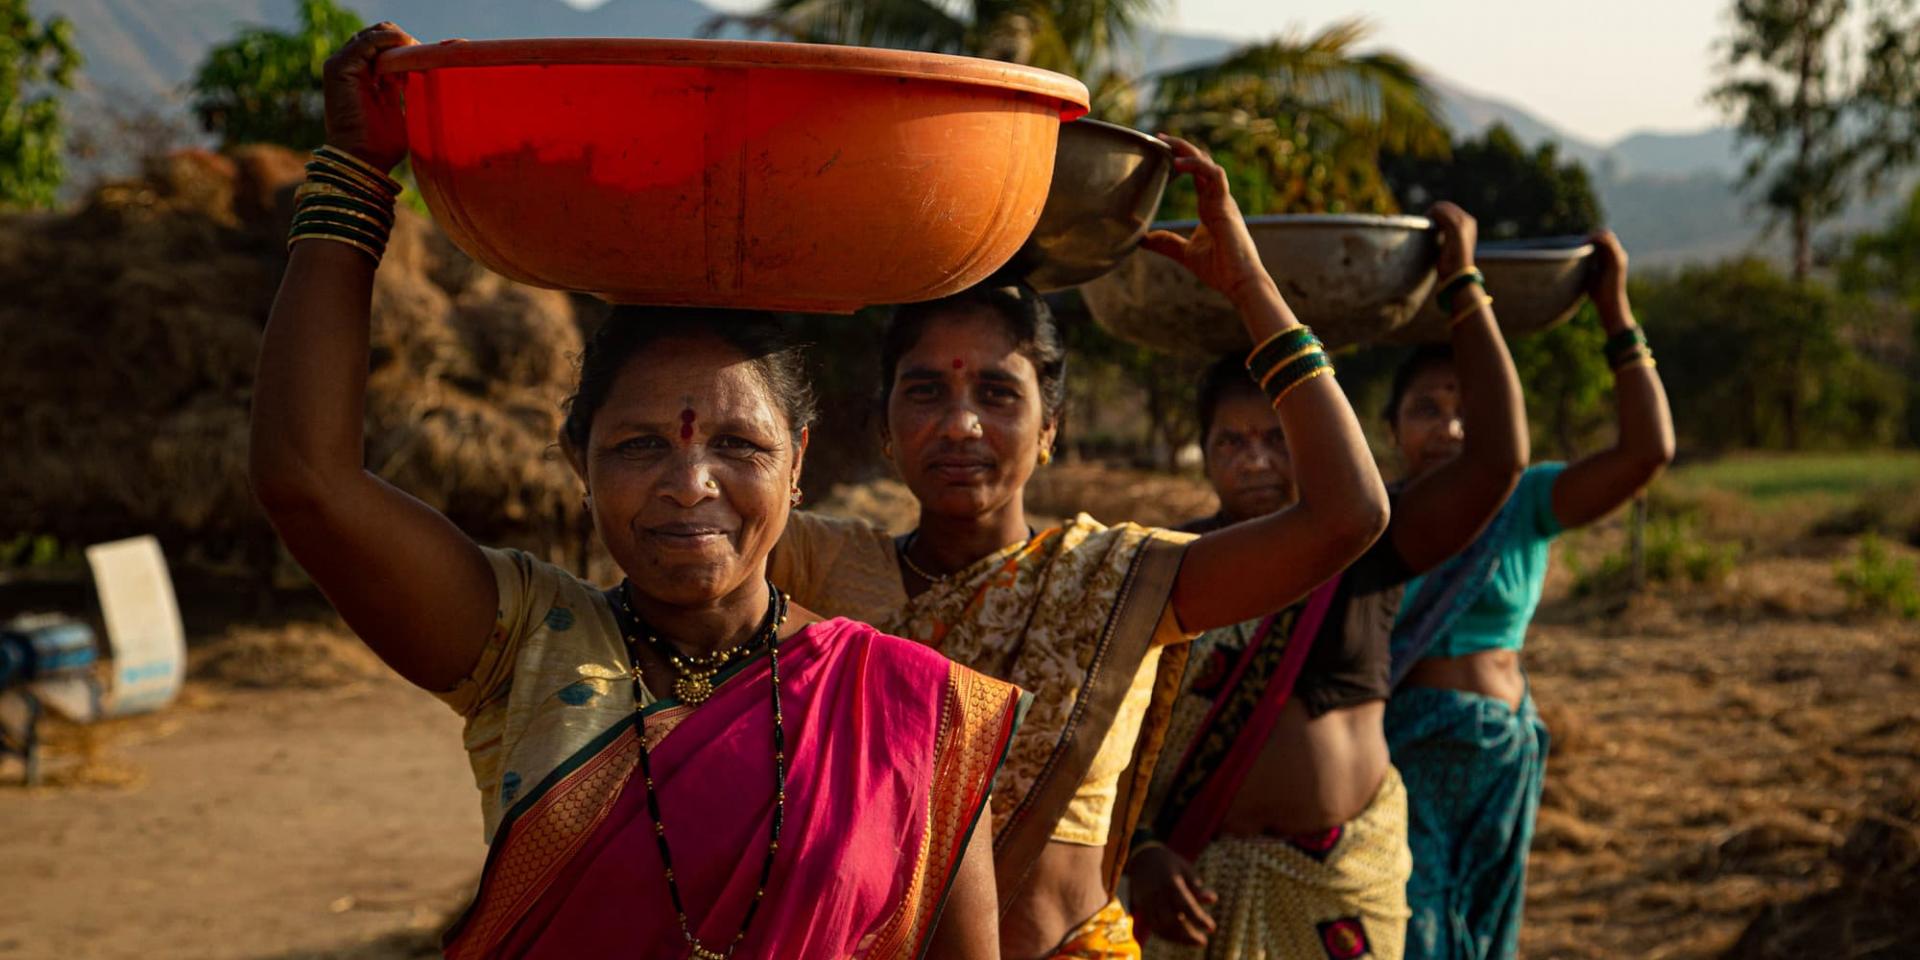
{"x":1220,"y":252}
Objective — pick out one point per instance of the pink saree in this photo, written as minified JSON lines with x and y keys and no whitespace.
{"x":891,"y":752}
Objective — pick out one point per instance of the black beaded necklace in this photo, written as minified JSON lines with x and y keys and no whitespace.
{"x":769,"y":635}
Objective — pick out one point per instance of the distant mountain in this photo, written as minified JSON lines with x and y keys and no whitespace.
{"x":150,"y":47}
{"x":1671,"y":194}
{"x":1675,"y":154}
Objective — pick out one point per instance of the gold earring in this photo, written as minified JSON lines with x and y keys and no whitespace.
{"x":794,"y":499}
{"x":1046,"y":457}
{"x":886,"y":449}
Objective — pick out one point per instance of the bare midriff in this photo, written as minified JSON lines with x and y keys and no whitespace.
{"x":1064,"y":889}
{"x":1314,"y":773}
{"x":1490,"y":673}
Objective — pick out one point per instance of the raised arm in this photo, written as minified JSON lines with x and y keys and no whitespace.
{"x":1342,"y":505}
{"x":1593,"y":486}
{"x":1437,"y":515}
{"x":415,"y":588}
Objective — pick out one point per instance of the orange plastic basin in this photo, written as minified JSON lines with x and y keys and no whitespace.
{"x":769,"y":175}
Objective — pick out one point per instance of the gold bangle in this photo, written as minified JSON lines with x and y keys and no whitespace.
{"x":1282,"y":365}
{"x":1291,"y":387}
{"x":1262,"y":345}
{"x":349,"y":241}
{"x":379,"y":176}
{"x":1646,"y":361}
{"x":1481,"y":302}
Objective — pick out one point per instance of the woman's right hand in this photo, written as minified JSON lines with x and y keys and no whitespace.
{"x":1170,"y":899}
{"x":1608,"y":283}
{"x":363,"y":114}
{"x":1459,"y":234}
{"x":1220,"y":251}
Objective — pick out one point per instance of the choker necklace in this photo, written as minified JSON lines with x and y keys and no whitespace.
{"x":694,"y":683}
{"x":768,"y":634}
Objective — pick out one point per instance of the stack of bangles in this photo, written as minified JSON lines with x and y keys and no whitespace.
{"x":1628,"y":349}
{"x":1284,"y":361}
{"x":346,"y":200}
{"x":1469,"y":279}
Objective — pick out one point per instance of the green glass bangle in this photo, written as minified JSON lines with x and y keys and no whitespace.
{"x":1626,"y":340}
{"x":1451,"y":290}
{"x":1294,"y":372}
{"x":1278,"y":348}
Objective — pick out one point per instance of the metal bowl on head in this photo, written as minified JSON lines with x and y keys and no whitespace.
{"x":1535,"y":284}
{"x":1351,"y":277}
{"x":780,"y":176}
{"x":1107,"y":183}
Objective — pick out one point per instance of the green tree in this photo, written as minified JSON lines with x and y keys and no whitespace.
{"x":1756,"y":359}
{"x":1884,"y":267}
{"x":1301,"y":123}
{"x":1825,"y":123}
{"x":1088,"y":39}
{"x":1517,"y":193}
{"x":263,"y":86}
{"x":34,"y":56}
{"x":1514,"y":192}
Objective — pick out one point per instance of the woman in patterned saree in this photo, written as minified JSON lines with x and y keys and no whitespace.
{"x":1276,"y":825}
{"x":1090,"y":619}
{"x":684,"y":765}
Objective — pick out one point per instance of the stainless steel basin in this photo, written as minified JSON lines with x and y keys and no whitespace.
{"x":1353,"y":278}
{"x":1535,"y":284}
{"x":1107,"y":182}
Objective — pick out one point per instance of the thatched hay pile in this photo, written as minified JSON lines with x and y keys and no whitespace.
{"x":131,"y":329}
{"x":1871,"y":913}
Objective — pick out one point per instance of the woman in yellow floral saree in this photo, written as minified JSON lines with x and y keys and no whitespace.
{"x":1090,"y":619}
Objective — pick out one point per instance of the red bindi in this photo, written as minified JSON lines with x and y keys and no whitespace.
{"x":959,"y":364}
{"x":686,"y":424}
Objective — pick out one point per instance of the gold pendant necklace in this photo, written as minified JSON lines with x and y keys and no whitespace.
{"x":694,"y":684}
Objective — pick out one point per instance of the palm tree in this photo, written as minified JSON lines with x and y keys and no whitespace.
{"x":1089,"y":39}
{"x":1301,"y":123}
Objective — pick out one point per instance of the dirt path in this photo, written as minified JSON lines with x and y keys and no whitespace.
{"x":1712,"y":755}
{"x":269,"y":824}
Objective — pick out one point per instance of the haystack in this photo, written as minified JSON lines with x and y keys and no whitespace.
{"x":132,"y":326}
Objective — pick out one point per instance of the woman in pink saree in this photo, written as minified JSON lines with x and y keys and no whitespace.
{"x":685,"y":765}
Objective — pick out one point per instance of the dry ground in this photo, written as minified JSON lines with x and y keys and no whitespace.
{"x":1722,"y":752}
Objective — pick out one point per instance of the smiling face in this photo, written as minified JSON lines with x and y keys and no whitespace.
{"x":1428,"y":425}
{"x":1246,"y":456}
{"x":965,"y":417}
{"x":691,"y":466}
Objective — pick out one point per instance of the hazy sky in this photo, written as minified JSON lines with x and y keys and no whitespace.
{"x":1599,"y":69}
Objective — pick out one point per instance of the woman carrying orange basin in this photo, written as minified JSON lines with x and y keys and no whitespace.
{"x":686,"y":765}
